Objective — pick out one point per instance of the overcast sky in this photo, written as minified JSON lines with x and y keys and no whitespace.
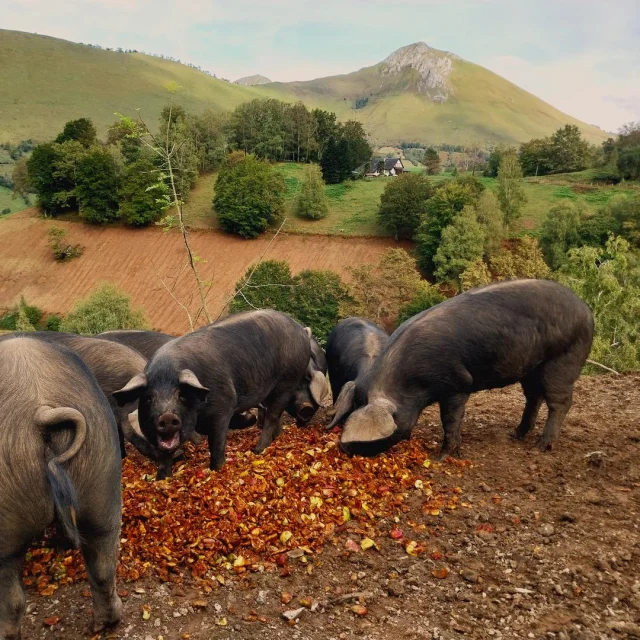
{"x":582,"y":56}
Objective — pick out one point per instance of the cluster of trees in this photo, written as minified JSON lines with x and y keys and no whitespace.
{"x":121,"y":178}
{"x":566,"y":151}
{"x":274,"y":130}
{"x":455,"y":223}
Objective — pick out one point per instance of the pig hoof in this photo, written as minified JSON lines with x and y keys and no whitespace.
{"x":216,"y":465}
{"x":258,"y":450}
{"x":544,"y":445}
{"x":516,"y":435}
{"x":195,"y":438}
{"x":110,"y":618}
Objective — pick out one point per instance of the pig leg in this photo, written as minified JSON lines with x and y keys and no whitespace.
{"x":557,"y":381}
{"x":217,"y":430}
{"x":13,"y":598}
{"x":100,"y":552}
{"x":533,"y":393}
{"x":451,"y":414}
{"x":272,"y":422}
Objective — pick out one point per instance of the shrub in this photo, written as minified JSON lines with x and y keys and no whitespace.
{"x":311,"y":201}
{"x":489,"y":216}
{"x":427,"y":296}
{"x":54,"y":322}
{"x":106,"y":309}
{"x":268,"y":285}
{"x":523,"y":259}
{"x":61,"y":249}
{"x":604,"y":279}
{"x":378,"y":292}
{"x":5,"y":211}
{"x":249,"y":196}
{"x":24,"y":315}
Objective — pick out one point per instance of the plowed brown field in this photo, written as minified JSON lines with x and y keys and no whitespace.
{"x":135,"y":260}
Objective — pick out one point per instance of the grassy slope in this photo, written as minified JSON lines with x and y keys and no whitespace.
{"x":46,"y":82}
{"x":483,"y":107}
{"x":353,"y":206}
{"x":7,"y":201}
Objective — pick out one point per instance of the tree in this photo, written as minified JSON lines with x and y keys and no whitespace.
{"x":489,"y":217}
{"x":569,"y":151}
{"x":326,"y":127}
{"x":22,"y":321}
{"x":97,"y":186}
{"x":20,"y":179}
{"x":330,"y":162}
{"x":379,"y":291}
{"x":447,"y":200}
{"x":495,"y":157}
{"x":476,"y":274}
{"x":605,"y":280}
{"x":427,"y":296}
{"x":403,"y":203}
{"x":559,"y":233}
{"x":431,"y":161}
{"x":81,"y":130}
{"x":511,"y":195}
{"x":312,"y":201}
{"x":628,"y":162}
{"x":462,"y":242}
{"x":318,"y":297}
{"x":106,"y":309}
{"x":267,"y":285}
{"x":358,"y":150}
{"x":249,"y":196}
{"x":625,"y":212}
{"x":523,"y":259}
{"x":142,"y":195}
{"x":535,"y":157}
{"x":45,"y":182}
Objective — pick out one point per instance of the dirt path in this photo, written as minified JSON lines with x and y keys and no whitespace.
{"x":547,"y":546}
{"x":133,"y":260}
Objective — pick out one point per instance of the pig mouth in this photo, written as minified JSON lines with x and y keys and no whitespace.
{"x":169,"y":441}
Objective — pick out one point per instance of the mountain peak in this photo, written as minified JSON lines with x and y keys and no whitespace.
{"x":432,"y":65}
{"x":252,"y":81}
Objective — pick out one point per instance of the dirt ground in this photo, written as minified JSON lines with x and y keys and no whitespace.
{"x":137,"y":259}
{"x":547,"y":546}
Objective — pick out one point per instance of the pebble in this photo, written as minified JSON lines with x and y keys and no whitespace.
{"x":469,"y":575}
{"x":567,"y":517}
{"x":31,"y":607}
{"x":547,"y":530}
{"x":262,"y":597}
{"x":293,"y":613}
{"x":395,"y":589}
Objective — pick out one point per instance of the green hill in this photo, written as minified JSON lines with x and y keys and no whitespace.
{"x":416,"y":94}
{"x":422,"y":94}
{"x":46,"y":82}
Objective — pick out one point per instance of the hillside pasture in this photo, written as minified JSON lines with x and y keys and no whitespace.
{"x":136,"y":260}
{"x":353,"y":205}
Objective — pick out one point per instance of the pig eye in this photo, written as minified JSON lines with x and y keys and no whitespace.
{"x":182,"y":398}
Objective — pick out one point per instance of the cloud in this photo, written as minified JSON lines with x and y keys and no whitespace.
{"x":582,"y":57}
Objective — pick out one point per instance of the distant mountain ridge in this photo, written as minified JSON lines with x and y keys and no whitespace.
{"x":252,"y":81}
{"x":416,"y":94}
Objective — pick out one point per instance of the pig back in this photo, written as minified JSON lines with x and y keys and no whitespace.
{"x":486,"y":338}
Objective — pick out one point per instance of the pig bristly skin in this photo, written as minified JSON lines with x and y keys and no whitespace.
{"x":59,"y":462}
{"x":144,"y":342}
{"x":535,"y":332}
{"x":200,"y":380}
{"x":352,"y":347}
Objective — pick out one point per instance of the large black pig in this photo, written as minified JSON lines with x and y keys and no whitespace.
{"x":144,"y":342}
{"x":200,"y":380}
{"x":535,"y":332}
{"x":352,"y":347}
{"x":59,"y":463}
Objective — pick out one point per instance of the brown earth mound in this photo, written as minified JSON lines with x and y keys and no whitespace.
{"x":136,"y":260}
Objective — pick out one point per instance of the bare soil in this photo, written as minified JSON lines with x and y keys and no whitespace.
{"x":136,"y":260}
{"x":547,"y":546}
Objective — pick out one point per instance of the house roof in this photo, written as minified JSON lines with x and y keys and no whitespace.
{"x":389,"y":163}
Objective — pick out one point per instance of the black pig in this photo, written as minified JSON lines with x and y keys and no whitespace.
{"x":200,"y":380}
{"x":352,"y":347}
{"x":59,"y":463}
{"x":535,"y":332}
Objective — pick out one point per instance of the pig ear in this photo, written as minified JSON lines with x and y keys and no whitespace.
{"x":189,"y":382}
{"x":370,"y":423}
{"x":132,"y":390}
{"x":308,"y":330}
{"x":319,"y":388}
{"x":343,"y":404}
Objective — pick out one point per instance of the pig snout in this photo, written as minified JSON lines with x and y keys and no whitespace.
{"x":304,"y":413}
{"x":168,"y":430}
